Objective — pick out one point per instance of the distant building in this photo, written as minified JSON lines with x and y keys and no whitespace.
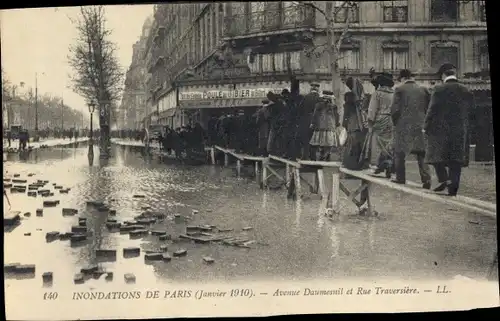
{"x":203,"y":58}
{"x":132,"y":110}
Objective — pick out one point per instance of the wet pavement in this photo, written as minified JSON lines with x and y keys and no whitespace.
{"x":277,"y":239}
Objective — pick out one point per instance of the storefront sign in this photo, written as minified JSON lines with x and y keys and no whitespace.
{"x":220,"y":103}
{"x":257,"y":93}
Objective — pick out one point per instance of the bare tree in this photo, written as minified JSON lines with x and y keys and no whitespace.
{"x":335,"y":36}
{"x":97,"y":75}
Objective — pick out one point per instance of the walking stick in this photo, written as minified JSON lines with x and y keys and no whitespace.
{"x":7,"y":197}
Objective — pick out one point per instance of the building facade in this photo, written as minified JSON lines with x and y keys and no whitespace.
{"x":132,"y":110}
{"x":207,"y":57}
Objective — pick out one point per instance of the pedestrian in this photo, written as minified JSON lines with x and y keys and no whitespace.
{"x":9,"y":137}
{"x":276,"y":139}
{"x":380,"y":124}
{"x":324,"y":122}
{"x":446,"y":129}
{"x":262,"y":120}
{"x":355,"y":126}
{"x":305,"y":112}
{"x":409,"y":106}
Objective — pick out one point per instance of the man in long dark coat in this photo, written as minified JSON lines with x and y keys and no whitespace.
{"x":446,"y":129}
{"x":306,"y":110}
{"x":408,"y":111}
{"x":262,"y":121}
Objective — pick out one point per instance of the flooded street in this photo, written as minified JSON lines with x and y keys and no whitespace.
{"x":283,"y":239}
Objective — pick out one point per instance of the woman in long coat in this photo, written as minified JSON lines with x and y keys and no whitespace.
{"x":354,"y":124}
{"x":380,"y":125}
{"x":324,"y":122}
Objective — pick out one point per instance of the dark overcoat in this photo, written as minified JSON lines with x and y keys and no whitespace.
{"x":409,"y":106}
{"x":446,"y":123}
{"x":306,"y":110}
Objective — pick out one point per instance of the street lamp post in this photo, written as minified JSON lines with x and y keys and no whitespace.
{"x":36,"y":107}
{"x":91,"y":142}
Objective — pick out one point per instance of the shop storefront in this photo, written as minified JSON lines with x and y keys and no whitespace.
{"x":167,"y":104}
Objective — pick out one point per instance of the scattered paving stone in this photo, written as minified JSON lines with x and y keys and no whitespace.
{"x":16,"y":175}
{"x":131,"y":251}
{"x":64,"y":191}
{"x":88,"y":270}
{"x":113,"y":225}
{"x":47,"y":277}
{"x":154,"y":256}
{"x":58,"y":187}
{"x":129,"y":278}
{"x":111,"y":220}
{"x":12,"y":218}
{"x":79,"y":279}
{"x":208,"y":260}
{"x":11,"y":267}
{"x":132,"y":222}
{"x":51,"y":203}
{"x":32,"y":194}
{"x":205,"y":228}
{"x":82,"y":223}
{"x":138,"y":233}
{"x":102,"y":209}
{"x":165,"y":237}
{"x":25,"y":269}
{"x":8,"y":185}
{"x":27,"y":214}
{"x":139,"y":196}
{"x":65,"y":236}
{"x":109,"y":276}
{"x":112,"y":212}
{"x":33,"y":187}
{"x":248,"y":228}
{"x":164,"y":248}
{"x":52,"y":194}
{"x":195,"y":211}
{"x":158,"y":232}
{"x":145,"y":208}
{"x":181,"y":252}
{"x":146,"y":221}
{"x":39,"y":212}
{"x":97,"y":274}
{"x":19,"y":181}
{"x":191,"y":228}
{"x":130,"y":228}
{"x":31,"y":174}
{"x":78,"y":237}
{"x":79,"y":229}
{"x":69,"y":211}
{"x":27,"y":234}
{"x":6,"y":179}
{"x":105,"y":253}
{"x":95,"y":203}
{"x":51,"y":236}
{"x":166,"y":257}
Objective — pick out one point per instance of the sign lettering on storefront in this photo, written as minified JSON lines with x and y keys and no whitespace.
{"x":228,"y":94}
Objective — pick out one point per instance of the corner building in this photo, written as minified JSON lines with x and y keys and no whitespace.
{"x":206,"y":59}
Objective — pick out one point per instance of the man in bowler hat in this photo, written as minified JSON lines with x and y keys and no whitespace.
{"x":446,"y":129}
{"x":409,"y":106}
{"x":305,"y":112}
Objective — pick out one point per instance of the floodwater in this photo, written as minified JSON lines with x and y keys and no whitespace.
{"x":410,"y":239}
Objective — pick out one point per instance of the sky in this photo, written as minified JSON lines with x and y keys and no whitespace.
{"x":37,"y":41}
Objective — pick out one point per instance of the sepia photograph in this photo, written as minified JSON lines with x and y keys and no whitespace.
{"x":182,"y":159}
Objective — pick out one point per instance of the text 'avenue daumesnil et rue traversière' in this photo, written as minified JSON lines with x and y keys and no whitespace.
{"x":243,"y":293}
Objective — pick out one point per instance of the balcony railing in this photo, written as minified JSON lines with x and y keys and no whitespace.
{"x":270,"y":20}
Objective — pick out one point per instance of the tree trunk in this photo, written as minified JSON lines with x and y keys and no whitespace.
{"x":333,"y":56}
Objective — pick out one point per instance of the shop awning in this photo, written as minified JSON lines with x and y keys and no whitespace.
{"x":220,"y":103}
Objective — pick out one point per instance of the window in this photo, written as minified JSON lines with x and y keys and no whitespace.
{"x":257,"y":13}
{"x":348,"y":59}
{"x":484,"y":56}
{"x":444,"y":52}
{"x":344,"y":11}
{"x":444,"y":10}
{"x":482,"y":10}
{"x":396,"y":58}
{"x":395,"y":11}
{"x":294,"y":60}
{"x":209,"y":33}
{"x":275,"y":62}
{"x":267,"y":63}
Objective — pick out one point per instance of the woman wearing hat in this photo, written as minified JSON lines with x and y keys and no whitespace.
{"x":325,"y":119}
{"x":380,"y":124}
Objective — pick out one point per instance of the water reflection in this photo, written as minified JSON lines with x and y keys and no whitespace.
{"x":291,"y":238}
